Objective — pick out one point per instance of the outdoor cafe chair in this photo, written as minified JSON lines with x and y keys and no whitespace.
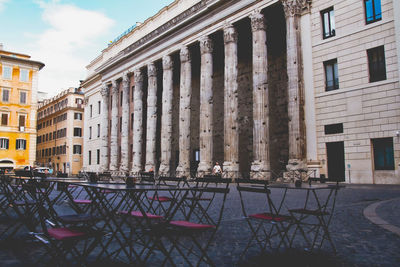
{"x":268,"y":226}
{"x":191,"y":233}
{"x":65,"y":245}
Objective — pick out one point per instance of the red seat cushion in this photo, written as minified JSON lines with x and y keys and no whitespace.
{"x":108,"y":191}
{"x":160,"y":198}
{"x":270,"y":217}
{"x":140,"y":215}
{"x":82,"y":201}
{"x":191,"y":225}
{"x":64,"y":233}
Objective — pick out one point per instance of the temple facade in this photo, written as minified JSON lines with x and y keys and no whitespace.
{"x":253,"y":85}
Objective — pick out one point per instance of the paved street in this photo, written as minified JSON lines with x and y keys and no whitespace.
{"x":359,"y":242}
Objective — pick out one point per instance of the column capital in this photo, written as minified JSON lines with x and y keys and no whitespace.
{"x":167,"y":62}
{"x":206,"y":45}
{"x":184,"y":54}
{"x":104,"y":91}
{"x":114,"y":87}
{"x":151,"y":70}
{"x":294,"y":7}
{"x":230,"y":34}
{"x":257,"y":21}
{"x":138,"y":75}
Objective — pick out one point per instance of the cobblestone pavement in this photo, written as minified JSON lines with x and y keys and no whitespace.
{"x":358,"y":241}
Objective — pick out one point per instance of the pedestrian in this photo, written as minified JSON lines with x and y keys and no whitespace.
{"x":217,"y":169}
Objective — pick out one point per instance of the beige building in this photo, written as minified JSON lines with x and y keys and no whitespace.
{"x":60,"y":132}
{"x":264,"y":87}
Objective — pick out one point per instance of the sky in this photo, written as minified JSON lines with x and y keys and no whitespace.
{"x":67,"y":34}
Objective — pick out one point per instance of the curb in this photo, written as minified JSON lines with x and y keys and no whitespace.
{"x":370,"y":213}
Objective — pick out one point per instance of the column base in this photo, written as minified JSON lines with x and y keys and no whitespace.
{"x":204,"y":168}
{"x":260,"y":170}
{"x":182,"y":171}
{"x":149,"y":166}
{"x":230,"y":170}
{"x":296,"y":170}
{"x":296,"y":165}
{"x":135,"y":170}
{"x":164,"y":170}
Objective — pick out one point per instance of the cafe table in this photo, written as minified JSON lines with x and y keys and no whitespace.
{"x":129,"y":218}
{"x":311,"y":207}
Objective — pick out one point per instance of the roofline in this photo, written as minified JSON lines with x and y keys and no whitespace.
{"x":40,"y":64}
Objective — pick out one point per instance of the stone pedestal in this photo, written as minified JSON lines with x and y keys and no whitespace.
{"x":183,"y":168}
{"x":231,"y":124}
{"x":260,"y":167}
{"x":114,"y":128}
{"x":206,"y":107}
{"x":105,"y":93}
{"x":137,"y":123}
{"x":125,"y":123}
{"x":151,"y":118}
{"x":166,"y":119}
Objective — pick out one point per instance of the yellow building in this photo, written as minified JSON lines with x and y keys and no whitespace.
{"x":60,"y":132}
{"x":18,"y":107}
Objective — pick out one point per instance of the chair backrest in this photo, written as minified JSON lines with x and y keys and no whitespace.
{"x":172,"y":181}
{"x":147,"y":177}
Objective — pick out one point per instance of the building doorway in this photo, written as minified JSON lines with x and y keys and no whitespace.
{"x":335,"y":155}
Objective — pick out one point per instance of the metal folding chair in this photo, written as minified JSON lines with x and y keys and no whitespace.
{"x":269,"y":227}
{"x":191,"y":233}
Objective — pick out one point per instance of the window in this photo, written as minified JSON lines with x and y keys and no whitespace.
{"x":21,"y":120}
{"x":98,"y":156}
{"x":90,"y":132}
{"x":91,"y":111}
{"x":23,"y":75}
{"x":20,"y":144}
{"x":4,"y":119}
{"x":331,"y":75}
{"x":373,"y":10}
{"x":383,"y":153}
{"x":78,"y":116}
{"x":122,"y":97}
{"x":376,"y":64}
{"x":131,"y":120}
{"x":78,"y":131}
{"x":5,"y":97}
{"x":90,"y":157}
{"x":120,"y":124}
{"x":4,"y":143}
{"x":77,"y":149}
{"x":328,"y":22}
{"x":98,"y":130}
{"x":7,"y":72}
{"x":334,"y":128}
{"x":99,"y":106}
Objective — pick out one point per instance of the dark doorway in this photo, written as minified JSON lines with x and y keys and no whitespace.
{"x":335,"y":154}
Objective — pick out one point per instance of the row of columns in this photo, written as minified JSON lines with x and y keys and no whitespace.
{"x":260,"y":166}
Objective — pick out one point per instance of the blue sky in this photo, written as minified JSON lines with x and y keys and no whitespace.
{"x":67,"y":34}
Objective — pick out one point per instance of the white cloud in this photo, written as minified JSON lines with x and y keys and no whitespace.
{"x":66,"y":47}
{"x":2,"y":4}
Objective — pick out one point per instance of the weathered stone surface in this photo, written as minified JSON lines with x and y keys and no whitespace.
{"x":114,"y":127}
{"x":166,"y":119}
{"x":231,"y":129}
{"x":183,"y":168}
{"x":151,"y":117}
{"x":105,"y":93}
{"x":260,"y":166}
{"x":137,"y":122}
{"x":125,"y":123}
{"x":206,"y":107}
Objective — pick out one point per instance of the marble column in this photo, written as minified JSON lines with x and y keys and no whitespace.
{"x":125,"y":123}
{"x":231,"y":125}
{"x":137,"y":122}
{"x":151,"y":117}
{"x":105,"y":94}
{"x":206,"y":107}
{"x":166,"y":119}
{"x":183,"y":168}
{"x":260,"y":167}
{"x":114,"y":128}
{"x":293,"y":9}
